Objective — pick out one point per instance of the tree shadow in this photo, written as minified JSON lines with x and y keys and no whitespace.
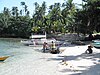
{"x":92,"y":69}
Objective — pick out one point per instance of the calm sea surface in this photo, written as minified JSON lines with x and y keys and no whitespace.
{"x":21,"y":58}
{"x":7,"y":46}
{"x":10,"y":47}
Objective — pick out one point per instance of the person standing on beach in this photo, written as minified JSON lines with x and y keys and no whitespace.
{"x":44,"y":46}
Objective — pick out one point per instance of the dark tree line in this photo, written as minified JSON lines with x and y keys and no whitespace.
{"x":62,"y":18}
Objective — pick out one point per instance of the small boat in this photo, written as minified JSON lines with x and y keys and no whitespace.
{"x":28,"y":42}
{"x":96,"y":43}
{"x":34,"y":40}
{"x":39,"y":40}
{"x":3,"y":58}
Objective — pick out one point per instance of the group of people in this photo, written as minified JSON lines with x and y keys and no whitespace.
{"x":52,"y":48}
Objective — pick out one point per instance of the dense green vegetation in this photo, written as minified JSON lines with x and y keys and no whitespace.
{"x":61,"y":18}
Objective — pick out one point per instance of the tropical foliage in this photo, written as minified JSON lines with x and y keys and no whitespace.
{"x":63,"y":18}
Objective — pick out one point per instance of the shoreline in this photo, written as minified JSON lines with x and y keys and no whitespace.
{"x":31,"y":61}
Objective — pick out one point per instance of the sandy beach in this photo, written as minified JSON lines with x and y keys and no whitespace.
{"x":34,"y":62}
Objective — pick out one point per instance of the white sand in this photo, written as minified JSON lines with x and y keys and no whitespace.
{"x":33,"y":62}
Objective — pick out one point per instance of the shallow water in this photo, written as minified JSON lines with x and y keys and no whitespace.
{"x":17,"y":51}
{"x":7,"y":45}
{"x":10,"y":47}
{"x":20,"y":56}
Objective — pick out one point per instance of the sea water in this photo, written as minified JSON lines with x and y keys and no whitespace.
{"x":8,"y":46}
{"x":20,"y":56}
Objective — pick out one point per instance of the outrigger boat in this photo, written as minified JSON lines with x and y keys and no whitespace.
{"x":96,"y":43}
{"x":38,"y":40}
{"x":34,"y":40}
{"x":3,"y":58}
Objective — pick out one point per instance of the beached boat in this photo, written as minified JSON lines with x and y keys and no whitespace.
{"x":27,"y":42}
{"x":96,"y":43}
{"x":39,"y":40}
{"x":3,"y":58}
{"x":34,"y":40}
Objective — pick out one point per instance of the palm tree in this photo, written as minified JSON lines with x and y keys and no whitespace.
{"x":15,"y":11}
{"x":68,"y":13}
{"x":55,"y":17}
{"x":39,"y":15}
{"x":5,"y":17}
{"x":23,"y":5}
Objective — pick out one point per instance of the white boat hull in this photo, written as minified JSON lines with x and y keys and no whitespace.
{"x":39,"y":41}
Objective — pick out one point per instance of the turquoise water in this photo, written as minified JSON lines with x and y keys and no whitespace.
{"x":14,"y":48}
{"x":8,"y":46}
{"x":22,"y":59}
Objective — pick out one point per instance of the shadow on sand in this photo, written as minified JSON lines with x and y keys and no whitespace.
{"x":94,"y":69}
